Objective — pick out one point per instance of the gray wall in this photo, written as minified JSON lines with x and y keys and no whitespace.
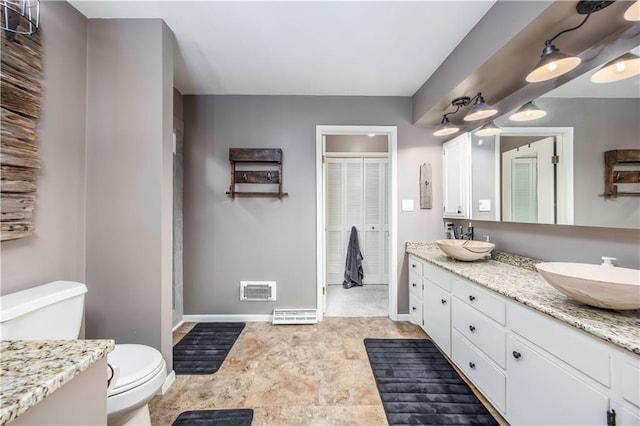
{"x":599,"y":125}
{"x":56,"y":250}
{"x":129,"y":182}
{"x":563,"y":243}
{"x":178,"y":223}
{"x":267,"y":239}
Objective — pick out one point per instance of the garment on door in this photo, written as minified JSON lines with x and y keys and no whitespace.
{"x":353,"y":272}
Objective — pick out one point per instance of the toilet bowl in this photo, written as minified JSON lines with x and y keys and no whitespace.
{"x":141,"y":371}
{"x":54,"y":311}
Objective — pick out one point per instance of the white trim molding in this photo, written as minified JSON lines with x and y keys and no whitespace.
{"x":171,"y":377}
{"x":227,"y":318}
{"x":392,"y":133}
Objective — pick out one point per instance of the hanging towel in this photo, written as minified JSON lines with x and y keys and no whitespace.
{"x":353,"y":272}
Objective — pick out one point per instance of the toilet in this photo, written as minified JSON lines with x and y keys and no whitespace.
{"x":54,"y":311}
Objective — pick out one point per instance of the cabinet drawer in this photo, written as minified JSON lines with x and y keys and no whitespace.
{"x":481,"y":331}
{"x":437,"y":315}
{"x":486,"y":303}
{"x":415,"y":309}
{"x":416,"y":265}
{"x":489,"y":379}
{"x":583,"y":353}
{"x":415,"y":284}
{"x":438,"y":276}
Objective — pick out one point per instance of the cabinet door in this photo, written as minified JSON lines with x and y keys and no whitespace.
{"x":540,"y":392}
{"x":437,"y":315}
{"x":455,"y":169}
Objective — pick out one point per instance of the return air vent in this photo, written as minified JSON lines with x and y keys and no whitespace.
{"x":258,"y":290}
{"x":295,"y":316}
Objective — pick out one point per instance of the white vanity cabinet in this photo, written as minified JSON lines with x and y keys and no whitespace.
{"x":456,"y":161}
{"x":533,"y":368}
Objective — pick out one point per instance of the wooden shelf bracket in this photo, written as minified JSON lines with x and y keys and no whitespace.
{"x":269,"y":158}
{"x":613,"y":177}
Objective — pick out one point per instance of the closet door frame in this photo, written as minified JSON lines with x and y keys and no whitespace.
{"x":392,"y":134}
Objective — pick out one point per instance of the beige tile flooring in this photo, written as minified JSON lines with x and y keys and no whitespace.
{"x":291,"y":375}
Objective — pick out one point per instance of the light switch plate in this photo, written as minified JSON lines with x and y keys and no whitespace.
{"x":407,"y":205}
{"x":484,"y":205}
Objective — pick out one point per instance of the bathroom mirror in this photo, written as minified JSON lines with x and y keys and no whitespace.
{"x":583,"y":120}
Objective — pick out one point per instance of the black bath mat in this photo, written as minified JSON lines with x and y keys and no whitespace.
{"x":204,"y":348}
{"x":239,"y":417}
{"x":418,"y":386}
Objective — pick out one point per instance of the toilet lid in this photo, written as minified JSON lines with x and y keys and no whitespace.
{"x":137,"y":363}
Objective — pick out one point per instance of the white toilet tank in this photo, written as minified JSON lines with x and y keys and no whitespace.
{"x":50,"y":311}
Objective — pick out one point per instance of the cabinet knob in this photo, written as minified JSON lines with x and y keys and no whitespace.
{"x":413,"y":265}
{"x":472,"y":328}
{"x":413,"y":284}
{"x":472,"y":365}
{"x":517,"y":354}
{"x":413,"y":308}
{"x":472,"y":298}
{"x":443,"y":301}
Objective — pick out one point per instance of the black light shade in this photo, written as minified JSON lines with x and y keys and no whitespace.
{"x":552,"y":64}
{"x":445,"y":128}
{"x":527,"y":112}
{"x":480,"y":110}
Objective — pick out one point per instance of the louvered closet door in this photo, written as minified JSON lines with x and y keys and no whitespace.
{"x":373,"y":233}
{"x":334,"y":198}
{"x":353,"y":195}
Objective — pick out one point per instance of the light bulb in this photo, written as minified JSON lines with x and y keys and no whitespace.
{"x":620,"y":66}
{"x":552,"y":66}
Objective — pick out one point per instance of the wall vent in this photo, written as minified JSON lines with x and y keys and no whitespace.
{"x":258,"y":290}
{"x":295,"y":316}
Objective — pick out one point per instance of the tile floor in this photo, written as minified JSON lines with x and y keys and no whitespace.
{"x":366,"y":301}
{"x":291,"y":375}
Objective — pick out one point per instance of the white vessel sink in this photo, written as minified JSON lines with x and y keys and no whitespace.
{"x":467,"y":250}
{"x":595,"y":285}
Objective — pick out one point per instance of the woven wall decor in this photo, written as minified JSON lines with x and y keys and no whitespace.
{"x":20,"y":81}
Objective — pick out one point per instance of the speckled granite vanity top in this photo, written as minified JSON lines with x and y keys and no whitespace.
{"x":32,"y":370}
{"x":515,"y":277}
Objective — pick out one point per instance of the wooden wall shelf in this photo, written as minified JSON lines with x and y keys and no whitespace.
{"x":613,"y":177}
{"x":269,"y":157}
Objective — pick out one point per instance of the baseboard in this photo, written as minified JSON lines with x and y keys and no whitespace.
{"x":178,"y":325}
{"x":404,"y":317}
{"x":171,"y":377}
{"x":227,"y":318}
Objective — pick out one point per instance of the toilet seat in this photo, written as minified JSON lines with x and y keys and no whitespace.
{"x":137,"y":364}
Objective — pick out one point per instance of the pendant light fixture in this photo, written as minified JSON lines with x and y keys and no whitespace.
{"x":527,"y":112}
{"x":554,"y":63}
{"x":621,"y":68}
{"x":489,"y":129}
{"x":633,"y":12}
{"x":446,"y":128}
{"x":480,"y":110}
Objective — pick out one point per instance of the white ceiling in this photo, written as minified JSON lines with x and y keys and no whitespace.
{"x":305,"y":48}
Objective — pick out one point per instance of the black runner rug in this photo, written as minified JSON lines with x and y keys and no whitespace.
{"x":419,"y":387}
{"x":204,"y":348}
{"x":239,"y":417}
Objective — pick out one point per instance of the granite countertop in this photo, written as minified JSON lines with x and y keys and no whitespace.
{"x":32,"y":370}
{"x":516,"y":278}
